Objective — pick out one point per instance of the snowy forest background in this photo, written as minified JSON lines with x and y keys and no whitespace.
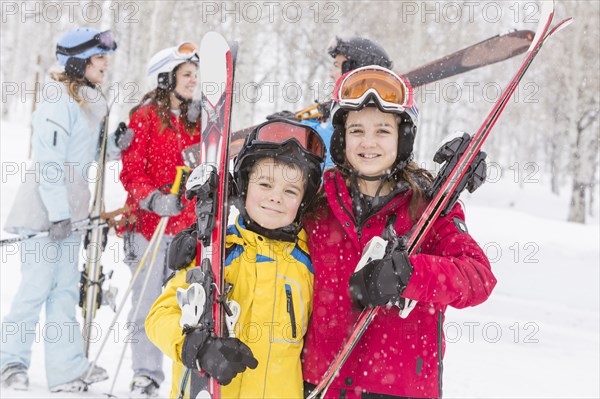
{"x":536,"y":217}
{"x":549,"y":131}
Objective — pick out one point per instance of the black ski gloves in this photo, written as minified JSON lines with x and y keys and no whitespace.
{"x":325,"y":109}
{"x":182,"y":249}
{"x":381,"y":280}
{"x":220,"y":358}
{"x":60,"y":230}
{"x":123,"y":136}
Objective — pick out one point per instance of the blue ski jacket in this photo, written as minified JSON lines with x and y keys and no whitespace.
{"x":65,"y":144}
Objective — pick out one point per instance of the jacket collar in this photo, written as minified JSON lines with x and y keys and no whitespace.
{"x":340,"y":203}
{"x":253,"y":238}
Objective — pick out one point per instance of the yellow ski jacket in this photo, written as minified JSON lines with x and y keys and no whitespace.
{"x":273,"y":283}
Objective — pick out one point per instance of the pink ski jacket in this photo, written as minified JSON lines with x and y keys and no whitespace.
{"x":396,"y":356}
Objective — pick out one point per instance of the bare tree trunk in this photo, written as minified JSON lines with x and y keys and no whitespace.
{"x":585,"y":155}
{"x":577,"y":207}
{"x":593,"y":188}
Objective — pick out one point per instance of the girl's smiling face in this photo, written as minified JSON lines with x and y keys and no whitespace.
{"x":371,"y":141}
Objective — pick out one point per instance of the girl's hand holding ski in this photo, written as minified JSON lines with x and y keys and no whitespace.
{"x":382,"y":281}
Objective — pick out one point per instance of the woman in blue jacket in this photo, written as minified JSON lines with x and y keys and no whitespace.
{"x":66,"y":131}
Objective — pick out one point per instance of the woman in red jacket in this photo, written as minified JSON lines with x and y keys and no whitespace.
{"x":162,"y":129}
{"x":376,"y":184}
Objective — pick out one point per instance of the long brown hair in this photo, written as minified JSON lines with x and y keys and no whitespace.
{"x":73,"y":85}
{"x":162,"y":99}
{"x":418,"y":180}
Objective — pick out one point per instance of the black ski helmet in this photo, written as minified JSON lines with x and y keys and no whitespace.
{"x":407,"y":129}
{"x":286,"y":149}
{"x":359,"y":52}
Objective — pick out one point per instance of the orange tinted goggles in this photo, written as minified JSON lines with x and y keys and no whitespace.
{"x":187,"y":48}
{"x":391,"y":91}
{"x":187,"y":51}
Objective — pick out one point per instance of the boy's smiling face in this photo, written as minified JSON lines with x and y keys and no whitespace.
{"x":274,"y":194}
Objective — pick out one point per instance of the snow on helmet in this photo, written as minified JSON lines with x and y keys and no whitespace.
{"x":289,"y":142}
{"x":359,"y":52}
{"x":162,"y":65}
{"x":384,"y":89}
{"x":76,"y":46}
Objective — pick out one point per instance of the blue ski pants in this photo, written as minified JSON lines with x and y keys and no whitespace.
{"x":50,"y":277}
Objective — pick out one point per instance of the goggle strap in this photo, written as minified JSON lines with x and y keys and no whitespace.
{"x":80,"y":48}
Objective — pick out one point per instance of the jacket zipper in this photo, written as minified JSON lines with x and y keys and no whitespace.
{"x":440,"y":332}
{"x":351,"y":214}
{"x":59,"y":125}
{"x":389,"y":205}
{"x":290,"y":308}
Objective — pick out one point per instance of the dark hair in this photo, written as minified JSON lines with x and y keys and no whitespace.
{"x":162,"y":99}
{"x":418,"y":179}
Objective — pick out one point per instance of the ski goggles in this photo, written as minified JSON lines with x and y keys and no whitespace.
{"x":187,"y":51}
{"x":390,"y":91}
{"x":103,"y":41}
{"x":279,"y":132}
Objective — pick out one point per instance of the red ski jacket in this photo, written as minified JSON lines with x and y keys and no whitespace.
{"x":395,"y":356}
{"x":150,"y":163}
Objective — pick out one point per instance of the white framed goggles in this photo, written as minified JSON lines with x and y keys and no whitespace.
{"x":168,"y":58}
{"x":187,"y":51}
{"x":390,"y":91}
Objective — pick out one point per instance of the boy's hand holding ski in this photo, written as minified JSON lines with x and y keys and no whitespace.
{"x":221,"y":358}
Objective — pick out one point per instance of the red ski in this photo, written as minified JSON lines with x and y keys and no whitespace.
{"x":443,"y":195}
{"x":208,"y":183}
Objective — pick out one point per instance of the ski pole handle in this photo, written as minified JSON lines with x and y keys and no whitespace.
{"x":183,"y":172}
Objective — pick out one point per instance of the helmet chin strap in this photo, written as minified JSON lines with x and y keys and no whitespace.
{"x":287,"y":233}
{"x":181,"y":98}
{"x":383,"y":178}
{"x":90,"y":84}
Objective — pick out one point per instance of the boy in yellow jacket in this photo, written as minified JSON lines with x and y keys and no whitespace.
{"x":277,"y":174}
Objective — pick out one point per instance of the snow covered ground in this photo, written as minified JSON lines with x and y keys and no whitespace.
{"x":536,"y":337}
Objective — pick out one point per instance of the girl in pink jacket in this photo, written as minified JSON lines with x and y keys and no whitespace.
{"x":376,"y":184}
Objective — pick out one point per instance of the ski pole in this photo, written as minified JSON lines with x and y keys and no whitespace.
{"x":77,"y":227}
{"x":161,"y":230}
{"x":126,"y":295}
